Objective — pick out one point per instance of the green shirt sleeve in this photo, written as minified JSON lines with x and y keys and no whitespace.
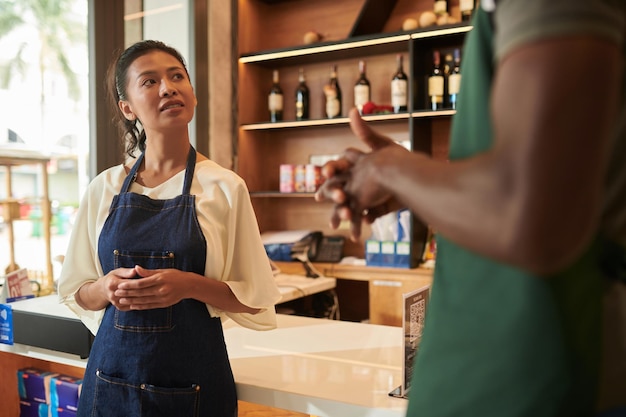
{"x":518,"y":22}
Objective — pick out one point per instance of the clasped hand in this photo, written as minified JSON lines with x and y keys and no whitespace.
{"x":154,"y":288}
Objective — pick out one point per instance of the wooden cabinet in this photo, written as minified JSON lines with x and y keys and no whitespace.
{"x":270,"y":37}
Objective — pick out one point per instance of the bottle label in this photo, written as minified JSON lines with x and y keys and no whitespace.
{"x":361,"y":95}
{"x":454,"y":83}
{"x":398,"y":93}
{"x":466,"y":5}
{"x":435,"y":86}
{"x":299,"y":109}
{"x":440,"y":7}
{"x":332,"y":107}
{"x":275,"y":102}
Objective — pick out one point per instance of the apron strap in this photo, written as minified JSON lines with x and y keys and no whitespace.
{"x":191,"y":166}
{"x":132,"y":175}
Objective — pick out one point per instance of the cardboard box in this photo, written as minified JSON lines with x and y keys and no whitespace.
{"x":34,"y":384}
{"x":33,"y":409}
{"x":64,"y":393}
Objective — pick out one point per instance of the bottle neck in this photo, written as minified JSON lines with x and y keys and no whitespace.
{"x":362,"y":69}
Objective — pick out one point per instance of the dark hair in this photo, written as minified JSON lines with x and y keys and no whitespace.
{"x":132,"y":133}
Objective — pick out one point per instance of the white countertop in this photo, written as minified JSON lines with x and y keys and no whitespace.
{"x":318,"y":366}
{"x":293,"y":286}
{"x":315,"y":366}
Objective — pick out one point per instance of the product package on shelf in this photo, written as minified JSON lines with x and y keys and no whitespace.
{"x":47,"y":394}
{"x":34,"y":384}
{"x":390,"y":244}
{"x":34,"y":409}
{"x":64,"y":393}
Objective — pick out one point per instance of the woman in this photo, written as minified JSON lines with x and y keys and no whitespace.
{"x":152,"y":270}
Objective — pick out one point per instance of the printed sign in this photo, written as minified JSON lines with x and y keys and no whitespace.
{"x":413,"y":317}
{"x":17,"y":286}
{"x":6,"y":324}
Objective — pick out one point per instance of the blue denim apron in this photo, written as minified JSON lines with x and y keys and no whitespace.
{"x":166,"y":361}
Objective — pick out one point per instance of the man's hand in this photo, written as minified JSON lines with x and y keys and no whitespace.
{"x":349,"y":180}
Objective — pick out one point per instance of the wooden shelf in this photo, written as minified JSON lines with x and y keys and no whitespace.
{"x":278,"y":194}
{"x":345,"y":121}
{"x":358,"y":46}
{"x":263,"y":146}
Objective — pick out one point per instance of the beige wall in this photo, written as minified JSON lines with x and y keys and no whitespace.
{"x":221,"y":91}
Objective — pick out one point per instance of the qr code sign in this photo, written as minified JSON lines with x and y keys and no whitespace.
{"x":418,"y":314}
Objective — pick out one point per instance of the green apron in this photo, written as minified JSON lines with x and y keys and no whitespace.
{"x":499,"y":341}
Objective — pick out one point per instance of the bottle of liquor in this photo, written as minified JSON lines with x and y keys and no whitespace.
{"x":436,"y":83}
{"x":454,"y":79}
{"x":275,"y":99}
{"x":362,"y":90}
{"x":399,"y":88}
{"x":302,"y":98}
{"x":448,"y":65}
{"x":332,"y":92}
{"x":440,"y":7}
{"x":467,"y":8}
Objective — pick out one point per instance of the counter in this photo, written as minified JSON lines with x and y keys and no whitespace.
{"x":314,"y":366}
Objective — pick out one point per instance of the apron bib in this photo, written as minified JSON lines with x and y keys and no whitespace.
{"x":160,"y":362}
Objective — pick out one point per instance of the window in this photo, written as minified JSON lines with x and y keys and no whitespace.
{"x":44,"y":102}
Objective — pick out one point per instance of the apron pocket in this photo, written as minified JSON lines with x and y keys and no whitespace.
{"x":148,"y":321}
{"x":142,"y":399}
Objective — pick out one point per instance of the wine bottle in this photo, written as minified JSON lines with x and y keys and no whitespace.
{"x":399,"y":88}
{"x":275,"y":99}
{"x":436,"y":83}
{"x":302,"y":98}
{"x":448,"y":65}
{"x":467,"y":8}
{"x":332,"y":93}
{"x":362,"y":90}
{"x":440,"y":7}
{"x":454,"y":79}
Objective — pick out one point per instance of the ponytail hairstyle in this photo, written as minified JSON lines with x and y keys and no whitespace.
{"x":133,"y":135}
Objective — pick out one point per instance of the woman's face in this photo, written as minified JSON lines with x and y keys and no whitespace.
{"x":159,"y":92}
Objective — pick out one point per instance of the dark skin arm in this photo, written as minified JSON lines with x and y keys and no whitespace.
{"x":534,"y":200}
{"x":157,"y":288}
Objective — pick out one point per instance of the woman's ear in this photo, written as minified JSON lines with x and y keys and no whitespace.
{"x":126,"y":110}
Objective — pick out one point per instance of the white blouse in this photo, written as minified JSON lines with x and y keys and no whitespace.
{"x":235,"y":252}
